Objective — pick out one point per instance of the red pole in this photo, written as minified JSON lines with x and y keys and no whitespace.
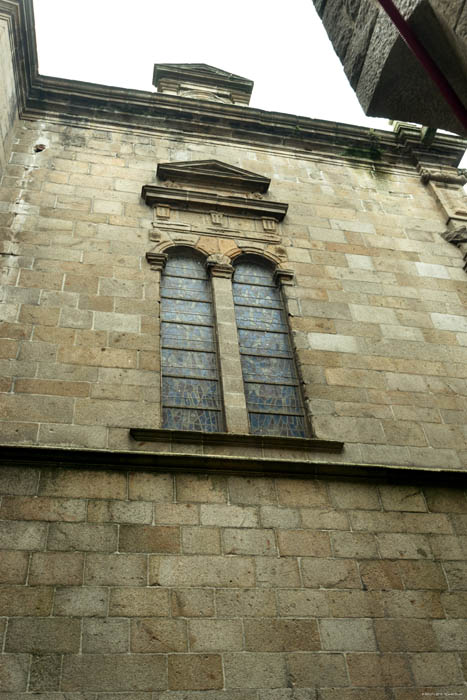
{"x":427,"y":62}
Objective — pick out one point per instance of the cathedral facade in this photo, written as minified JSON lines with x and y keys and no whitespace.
{"x":233,"y":395}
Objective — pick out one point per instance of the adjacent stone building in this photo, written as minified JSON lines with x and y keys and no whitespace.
{"x":234,"y":394}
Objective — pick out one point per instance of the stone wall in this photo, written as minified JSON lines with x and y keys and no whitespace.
{"x":147,"y":586}
{"x":8,"y":99}
{"x":377,"y":309}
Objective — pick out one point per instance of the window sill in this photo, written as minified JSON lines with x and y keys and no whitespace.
{"x":234,"y":440}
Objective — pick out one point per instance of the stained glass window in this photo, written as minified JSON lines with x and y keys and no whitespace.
{"x":270,"y":379}
{"x":190,"y":379}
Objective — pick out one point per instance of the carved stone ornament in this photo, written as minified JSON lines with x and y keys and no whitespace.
{"x":458,"y":237}
{"x":269,"y":224}
{"x":219,"y":265}
{"x":163,"y":211}
{"x":157,"y":261}
{"x":217,"y":218}
{"x":283,"y":277}
{"x":443,"y":177}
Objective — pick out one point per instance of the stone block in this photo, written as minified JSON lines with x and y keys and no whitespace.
{"x":49,"y":509}
{"x":114,"y":672}
{"x":301,"y":492}
{"x":277,"y":573}
{"x":19,"y":481}
{"x":120,"y":512}
{"x":45,"y":673}
{"x":201,"y":540}
{"x":347,"y":635}
{"x":81,"y":601}
{"x":105,"y":636}
{"x":54,"y":568}
{"x":281,"y":635}
{"x":13,"y":566}
{"x":245,"y":603}
{"x":151,"y":487}
{"x":422,"y":575}
{"x":302,"y":603}
{"x":177,"y":514}
{"x":402,"y":498}
{"x":355,"y":603}
{"x":157,"y":635}
{"x":449,"y":547}
{"x":409,"y":604}
{"x":445,"y":500}
{"x":304,"y":543}
{"x":21,"y":600}
{"x":43,"y":635}
{"x":195,"y":671}
{"x":317,"y":670}
{"x":228,"y":515}
{"x":115,"y":569}
{"x":192,"y":602}
{"x":405,"y":635}
{"x":354,"y":495}
{"x":330,"y":573}
{"x":454,"y":603}
{"x":17,"y":534}
{"x":401,"y":546}
{"x":88,"y":537}
{"x":254,"y":670}
{"x":435,"y":668}
{"x":215,"y":635}
{"x":276,"y":516}
{"x":381,"y":575}
{"x":82,"y":484}
{"x":139,"y":602}
{"x":324,"y":519}
{"x":354,"y":545}
{"x":249,"y":541}
{"x":14,"y":670}
{"x":146,"y":538}
{"x":252,"y":491}
{"x":386,"y":670}
{"x":50,"y":409}
{"x":451,"y":634}
{"x":198,"y":570}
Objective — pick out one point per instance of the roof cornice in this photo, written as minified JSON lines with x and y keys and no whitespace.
{"x":86,"y":104}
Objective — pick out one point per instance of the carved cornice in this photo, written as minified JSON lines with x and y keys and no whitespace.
{"x":206,"y":202}
{"x":284,"y":277}
{"x":213,"y":173}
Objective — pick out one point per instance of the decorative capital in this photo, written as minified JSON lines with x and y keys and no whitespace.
{"x":456,"y":237}
{"x":219,"y":266}
{"x":157,"y":261}
{"x":284,"y":277}
{"x":269,"y":224}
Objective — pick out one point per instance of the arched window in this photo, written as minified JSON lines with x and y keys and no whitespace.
{"x":191,"y":397}
{"x":270,"y":379}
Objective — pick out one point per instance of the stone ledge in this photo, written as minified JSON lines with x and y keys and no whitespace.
{"x":21,"y":456}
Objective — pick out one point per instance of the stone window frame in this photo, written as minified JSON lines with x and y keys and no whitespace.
{"x":220,"y":269}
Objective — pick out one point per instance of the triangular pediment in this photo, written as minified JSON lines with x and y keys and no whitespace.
{"x":200,"y":68}
{"x":213,"y":173}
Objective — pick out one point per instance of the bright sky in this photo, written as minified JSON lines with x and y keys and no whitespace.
{"x":279,"y":44}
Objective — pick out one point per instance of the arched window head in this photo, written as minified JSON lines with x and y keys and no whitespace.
{"x":270,"y":378}
{"x":191,"y":397}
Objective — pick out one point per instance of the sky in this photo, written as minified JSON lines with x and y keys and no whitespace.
{"x":279,"y":44}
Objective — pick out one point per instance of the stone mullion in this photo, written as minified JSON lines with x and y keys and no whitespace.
{"x":236,"y":414}
{"x":157,"y":262}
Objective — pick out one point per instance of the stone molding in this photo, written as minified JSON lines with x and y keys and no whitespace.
{"x":213,"y":173}
{"x":206,"y":202}
{"x":219,"y":266}
{"x":157,"y":261}
{"x":444,"y":177}
{"x":458,"y":237}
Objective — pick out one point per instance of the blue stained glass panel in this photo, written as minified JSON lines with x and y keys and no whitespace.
{"x":259,"y":319}
{"x":272,"y":424}
{"x":185,"y":363}
{"x":264,"y":343}
{"x":185,"y":266}
{"x":190,"y":393}
{"x":270,"y":369}
{"x":191,"y":419}
{"x":179,"y":335}
{"x":273,"y":398}
{"x":197,"y":290}
{"x":253,"y":273}
{"x":251,"y":295}
{"x":186,"y":311}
